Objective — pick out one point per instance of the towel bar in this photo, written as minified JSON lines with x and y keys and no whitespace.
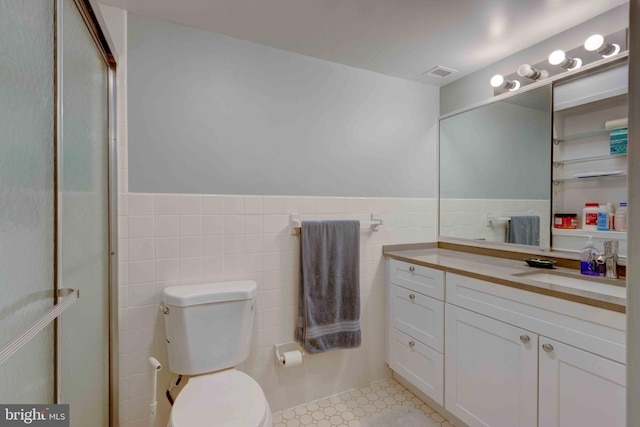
{"x":295,"y":223}
{"x":493,"y":219}
{"x":502,"y":219}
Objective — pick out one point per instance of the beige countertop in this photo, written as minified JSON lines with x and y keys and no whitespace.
{"x":599,"y":292}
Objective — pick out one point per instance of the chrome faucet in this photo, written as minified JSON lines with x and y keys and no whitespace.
{"x":610,"y":259}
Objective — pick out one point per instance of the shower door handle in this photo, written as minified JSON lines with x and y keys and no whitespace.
{"x":67,"y":297}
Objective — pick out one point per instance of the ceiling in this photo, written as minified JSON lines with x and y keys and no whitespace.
{"x":401,"y":38}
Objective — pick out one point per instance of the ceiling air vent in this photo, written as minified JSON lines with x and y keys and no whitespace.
{"x":439,"y":72}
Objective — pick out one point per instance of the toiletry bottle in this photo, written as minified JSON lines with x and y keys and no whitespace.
{"x":612,"y":215}
{"x":621,"y":217}
{"x":590,"y":216}
{"x":602,"y":223}
{"x":588,"y":260}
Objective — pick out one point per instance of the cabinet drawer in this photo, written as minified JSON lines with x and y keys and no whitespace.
{"x":421,"y":279}
{"x":589,"y":328}
{"x":419,"y":364}
{"x":418,"y":315}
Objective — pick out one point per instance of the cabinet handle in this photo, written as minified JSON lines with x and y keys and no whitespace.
{"x":412,"y":268}
{"x":525,"y":339}
{"x":412,"y":344}
{"x":412,"y":296}
{"x":547,"y":347}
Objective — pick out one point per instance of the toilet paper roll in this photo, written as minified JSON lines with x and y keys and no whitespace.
{"x":291,"y":358}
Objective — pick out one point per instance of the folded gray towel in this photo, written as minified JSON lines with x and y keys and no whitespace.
{"x":329,"y":286}
{"x":524,"y":230}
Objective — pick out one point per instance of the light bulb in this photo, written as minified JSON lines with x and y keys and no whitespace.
{"x":596,"y":43}
{"x":558,"y":57}
{"x":526,"y":70}
{"x":499,"y":81}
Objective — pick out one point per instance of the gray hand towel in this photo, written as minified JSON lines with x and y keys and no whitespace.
{"x":524,"y":230}
{"x":329,"y":286}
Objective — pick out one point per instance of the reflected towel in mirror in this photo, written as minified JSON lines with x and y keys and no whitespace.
{"x":524,"y":230}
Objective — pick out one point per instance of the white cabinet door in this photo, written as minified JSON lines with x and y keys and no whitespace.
{"x":418,"y":363}
{"x":578,"y":388}
{"x":490,"y":371}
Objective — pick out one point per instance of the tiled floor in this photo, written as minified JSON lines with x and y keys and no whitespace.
{"x":355,"y":407}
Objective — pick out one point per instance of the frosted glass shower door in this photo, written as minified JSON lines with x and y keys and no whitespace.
{"x":54,"y":208}
{"x":84,"y":228}
{"x":27,"y":195}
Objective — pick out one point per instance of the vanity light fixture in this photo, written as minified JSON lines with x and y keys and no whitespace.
{"x":596,"y":44}
{"x":526,"y":70}
{"x":558,"y":57}
{"x":499,"y":81}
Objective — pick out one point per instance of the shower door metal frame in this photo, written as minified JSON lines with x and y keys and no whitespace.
{"x":91,"y":15}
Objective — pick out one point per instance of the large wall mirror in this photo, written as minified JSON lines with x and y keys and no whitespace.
{"x":495,"y":171}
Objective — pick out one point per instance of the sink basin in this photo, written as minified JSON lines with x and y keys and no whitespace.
{"x":570,"y":281}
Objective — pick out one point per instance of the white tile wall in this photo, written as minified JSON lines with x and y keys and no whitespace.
{"x":178,"y":239}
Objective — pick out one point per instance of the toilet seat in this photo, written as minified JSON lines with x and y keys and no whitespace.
{"x":225,"y":399}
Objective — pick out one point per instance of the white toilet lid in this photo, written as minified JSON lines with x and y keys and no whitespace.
{"x":225,"y":399}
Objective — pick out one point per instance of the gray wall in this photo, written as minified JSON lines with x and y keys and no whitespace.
{"x":212,"y":114}
{"x":475,"y":88}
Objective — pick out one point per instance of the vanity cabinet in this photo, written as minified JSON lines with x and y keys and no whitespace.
{"x":416,"y":326}
{"x":498,"y":356}
{"x":517,"y":358}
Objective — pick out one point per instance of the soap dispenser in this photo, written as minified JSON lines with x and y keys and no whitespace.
{"x":588,"y":259}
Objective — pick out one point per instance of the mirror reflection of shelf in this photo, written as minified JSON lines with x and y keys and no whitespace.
{"x":615,"y":235}
{"x":622,"y":174}
{"x":557,"y":163}
{"x":584,"y":135}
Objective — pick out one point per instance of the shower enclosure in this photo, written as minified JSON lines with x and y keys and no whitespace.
{"x":57,"y":198}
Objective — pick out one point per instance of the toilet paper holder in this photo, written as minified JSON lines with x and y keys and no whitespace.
{"x":285,"y":347}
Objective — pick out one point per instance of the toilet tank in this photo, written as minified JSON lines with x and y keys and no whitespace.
{"x":208,"y":325}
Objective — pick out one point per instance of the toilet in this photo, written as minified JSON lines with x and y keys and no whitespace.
{"x":209,"y":333}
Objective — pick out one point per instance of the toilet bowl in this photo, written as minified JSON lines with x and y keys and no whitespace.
{"x":226,"y":399}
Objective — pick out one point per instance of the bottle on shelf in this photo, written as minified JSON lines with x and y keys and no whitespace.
{"x":621,"y":217}
{"x":602,"y":223}
{"x":590,"y":216}
{"x":612,"y":214}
